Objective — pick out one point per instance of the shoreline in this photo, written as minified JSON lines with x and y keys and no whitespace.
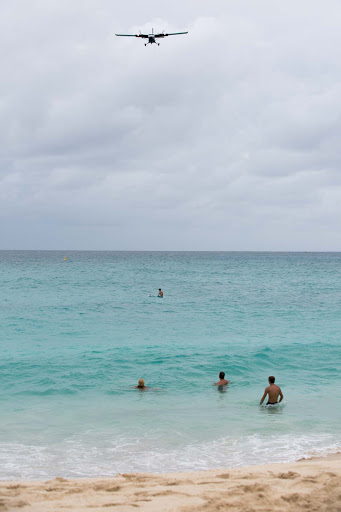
{"x":307,"y":484}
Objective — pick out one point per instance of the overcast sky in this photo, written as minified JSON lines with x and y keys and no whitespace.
{"x":228,"y":138}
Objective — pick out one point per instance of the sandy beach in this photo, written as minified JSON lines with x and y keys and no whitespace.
{"x":308,"y":485}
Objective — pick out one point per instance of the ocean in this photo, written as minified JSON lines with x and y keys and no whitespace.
{"x":77,"y":334}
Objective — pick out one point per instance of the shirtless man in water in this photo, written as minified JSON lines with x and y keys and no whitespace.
{"x":222,"y":381}
{"x":273,"y":391}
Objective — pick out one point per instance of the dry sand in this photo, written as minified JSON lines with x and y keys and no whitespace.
{"x":309,"y":485}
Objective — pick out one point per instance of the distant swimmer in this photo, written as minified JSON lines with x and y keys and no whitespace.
{"x":160,"y":293}
{"x":273,"y":391}
{"x":141,"y":385}
{"x":222,"y":381}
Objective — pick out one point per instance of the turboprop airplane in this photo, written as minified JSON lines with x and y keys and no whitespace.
{"x":152,"y":37}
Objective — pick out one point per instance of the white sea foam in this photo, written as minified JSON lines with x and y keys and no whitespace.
{"x":76,"y":458}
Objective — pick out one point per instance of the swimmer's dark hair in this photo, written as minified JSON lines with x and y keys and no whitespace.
{"x":272,"y":379}
{"x":221,"y":375}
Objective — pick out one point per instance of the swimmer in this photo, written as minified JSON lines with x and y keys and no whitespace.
{"x":160,"y":293}
{"x":273,"y":391}
{"x":141,"y":385}
{"x":222,"y":381}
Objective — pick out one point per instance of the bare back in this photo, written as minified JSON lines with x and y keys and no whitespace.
{"x":273,"y":392}
{"x":221,"y":382}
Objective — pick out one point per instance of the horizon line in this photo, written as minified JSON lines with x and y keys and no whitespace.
{"x":178,"y":250}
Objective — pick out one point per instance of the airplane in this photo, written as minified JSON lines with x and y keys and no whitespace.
{"x":151,"y":37}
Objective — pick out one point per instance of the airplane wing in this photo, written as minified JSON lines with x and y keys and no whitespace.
{"x":132,"y":35}
{"x":170,"y":34}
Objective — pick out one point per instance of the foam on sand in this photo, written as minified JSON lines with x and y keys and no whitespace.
{"x":312,"y":484}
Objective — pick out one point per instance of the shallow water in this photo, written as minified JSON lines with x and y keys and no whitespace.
{"x":77,"y":334}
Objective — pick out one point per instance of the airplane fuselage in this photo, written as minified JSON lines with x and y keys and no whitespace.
{"x":152,"y":40}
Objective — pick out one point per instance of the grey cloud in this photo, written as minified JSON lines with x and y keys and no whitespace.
{"x":227,"y":138}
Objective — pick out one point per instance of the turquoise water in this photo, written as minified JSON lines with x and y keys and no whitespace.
{"x":77,"y":334}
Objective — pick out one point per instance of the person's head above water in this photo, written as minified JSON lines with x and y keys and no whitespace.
{"x":221,"y":375}
{"x":271,"y":379}
{"x":140,"y":383}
